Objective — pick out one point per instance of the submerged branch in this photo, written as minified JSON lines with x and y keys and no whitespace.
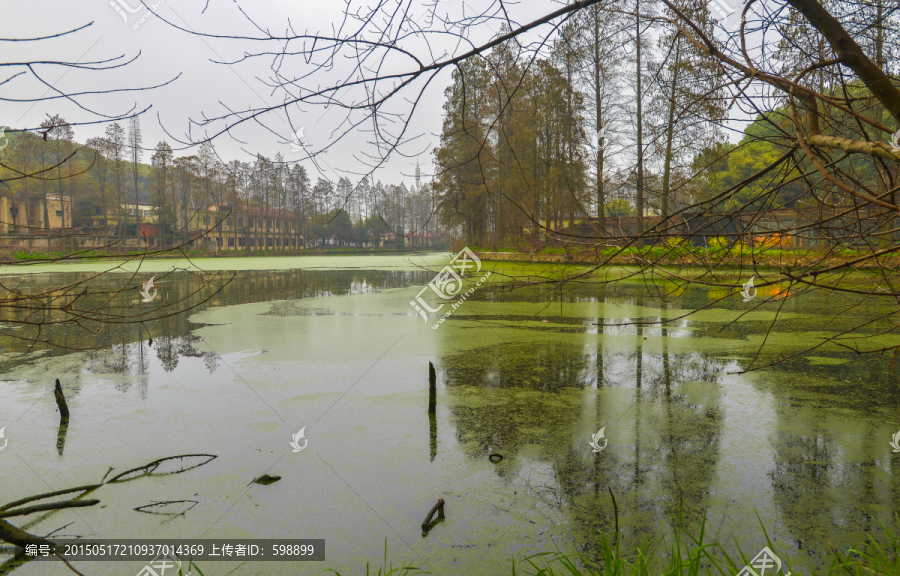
{"x":48,"y":495}
{"x":151,"y":466}
{"x":20,"y":538}
{"x":45,"y":507}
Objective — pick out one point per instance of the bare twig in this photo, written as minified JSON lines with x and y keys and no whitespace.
{"x":151,"y":466}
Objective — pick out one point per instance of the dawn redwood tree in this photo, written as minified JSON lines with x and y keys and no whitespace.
{"x":135,"y":140}
{"x":100,"y":168}
{"x":161,"y":162}
{"x":62,"y":136}
{"x":115,"y":138}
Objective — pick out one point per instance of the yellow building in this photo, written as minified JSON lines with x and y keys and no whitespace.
{"x":17,"y":215}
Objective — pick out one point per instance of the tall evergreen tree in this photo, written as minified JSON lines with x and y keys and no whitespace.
{"x":135,"y":139}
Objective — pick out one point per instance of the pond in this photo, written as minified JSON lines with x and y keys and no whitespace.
{"x":332,"y":346}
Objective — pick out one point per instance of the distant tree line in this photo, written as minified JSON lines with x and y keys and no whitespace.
{"x":105,"y":175}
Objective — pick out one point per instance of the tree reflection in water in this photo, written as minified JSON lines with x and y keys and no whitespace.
{"x":123,"y":348}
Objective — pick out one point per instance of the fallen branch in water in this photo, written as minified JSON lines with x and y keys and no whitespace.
{"x":150,"y":467}
{"x":48,"y":495}
{"x":51,"y":506}
{"x":72,"y":568}
{"x":265,"y":480}
{"x":162,"y":505}
{"x":18,"y":537}
{"x":107,"y":474}
{"x":437,"y":507}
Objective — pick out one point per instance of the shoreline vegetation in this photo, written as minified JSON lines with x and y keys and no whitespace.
{"x":38,"y":255}
{"x":682,"y":554}
{"x":742,"y":257}
{"x":736,"y":256}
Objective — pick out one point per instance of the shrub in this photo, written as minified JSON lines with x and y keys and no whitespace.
{"x":719,"y":242}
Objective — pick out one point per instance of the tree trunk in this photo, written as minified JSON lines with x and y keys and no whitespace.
{"x":670,"y":131}
{"x":601,"y":139}
{"x":640,"y":142}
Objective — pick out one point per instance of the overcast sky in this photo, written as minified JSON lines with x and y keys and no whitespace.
{"x":204,"y":87}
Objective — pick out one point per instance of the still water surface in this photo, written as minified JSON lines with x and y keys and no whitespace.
{"x":332,"y":345}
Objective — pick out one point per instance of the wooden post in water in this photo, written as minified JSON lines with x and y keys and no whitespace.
{"x":63,"y":417}
{"x":432,"y":388}
{"x":61,"y":402}
{"x":432,"y":403}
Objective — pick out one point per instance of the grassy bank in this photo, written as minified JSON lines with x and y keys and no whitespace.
{"x":29,"y":256}
{"x":683,"y":554}
{"x":701,"y":257}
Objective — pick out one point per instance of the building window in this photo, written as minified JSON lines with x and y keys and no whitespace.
{"x":59,"y":212}
{"x":231,"y":242}
{"x":241,"y":242}
{"x":241,"y":222}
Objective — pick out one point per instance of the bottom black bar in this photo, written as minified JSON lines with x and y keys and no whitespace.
{"x":164,"y":551}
